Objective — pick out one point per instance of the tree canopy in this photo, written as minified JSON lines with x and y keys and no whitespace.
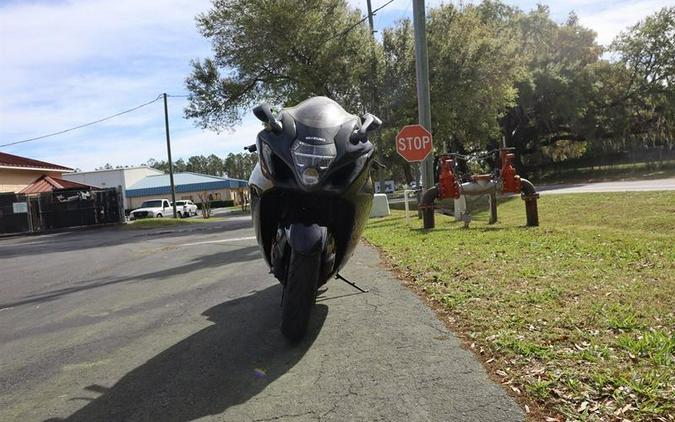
{"x":280,"y":51}
{"x":236,"y":166}
{"x":495,"y":71}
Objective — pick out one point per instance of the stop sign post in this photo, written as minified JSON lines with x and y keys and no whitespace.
{"x":414,"y":143}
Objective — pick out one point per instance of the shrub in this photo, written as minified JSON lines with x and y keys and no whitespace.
{"x":218,"y":204}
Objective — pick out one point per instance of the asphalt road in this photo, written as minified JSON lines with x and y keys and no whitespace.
{"x":616,"y":186}
{"x":183,"y":324}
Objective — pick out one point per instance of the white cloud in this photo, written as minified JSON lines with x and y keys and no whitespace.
{"x":71,"y":31}
{"x":68,"y":63}
{"x":611,"y":19}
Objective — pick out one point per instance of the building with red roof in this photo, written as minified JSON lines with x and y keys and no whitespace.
{"x":18,"y":173}
{"x":49,"y":184}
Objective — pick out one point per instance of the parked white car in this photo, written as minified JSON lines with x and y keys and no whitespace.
{"x":154,"y":208}
{"x":186,"y":208}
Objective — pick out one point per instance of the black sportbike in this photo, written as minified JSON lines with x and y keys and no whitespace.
{"x":311,"y":195}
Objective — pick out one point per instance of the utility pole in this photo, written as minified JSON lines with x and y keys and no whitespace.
{"x":423,"y":99}
{"x":168,"y":151}
{"x":380,"y":173}
{"x":370,"y":17}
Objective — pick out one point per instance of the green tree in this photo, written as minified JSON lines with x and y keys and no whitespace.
{"x":553,"y":95}
{"x":473,"y":69}
{"x":240,"y":165}
{"x":494,"y":71}
{"x":647,"y":60}
{"x":180,"y":166}
{"x":197,"y":164}
{"x":399,"y":98}
{"x":278,"y":51}
{"x":214,"y":165}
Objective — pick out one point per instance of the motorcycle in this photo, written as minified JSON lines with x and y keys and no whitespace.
{"x":311,"y":195}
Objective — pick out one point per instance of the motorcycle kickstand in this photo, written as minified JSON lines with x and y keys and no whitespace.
{"x":354,"y":285}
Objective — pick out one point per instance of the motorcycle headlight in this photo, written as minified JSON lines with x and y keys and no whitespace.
{"x":312,"y":160}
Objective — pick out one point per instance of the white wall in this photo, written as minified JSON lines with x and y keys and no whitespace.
{"x":113,"y":178}
{"x":133,"y":175}
{"x":99,"y":179}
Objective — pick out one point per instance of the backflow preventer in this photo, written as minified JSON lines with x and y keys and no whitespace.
{"x":502,"y":180}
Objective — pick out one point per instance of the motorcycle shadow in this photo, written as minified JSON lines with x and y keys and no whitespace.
{"x":220,"y":366}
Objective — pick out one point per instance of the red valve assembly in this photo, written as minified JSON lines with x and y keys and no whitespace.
{"x":448,"y":186}
{"x":510,"y":179}
{"x":504,"y":179}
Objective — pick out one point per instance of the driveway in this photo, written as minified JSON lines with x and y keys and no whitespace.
{"x":617,"y":186}
{"x":183,"y":324}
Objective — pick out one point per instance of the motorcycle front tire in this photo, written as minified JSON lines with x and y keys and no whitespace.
{"x":299,"y":294}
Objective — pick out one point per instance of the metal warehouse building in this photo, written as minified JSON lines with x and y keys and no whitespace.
{"x":122,"y":178}
{"x":188,"y":186}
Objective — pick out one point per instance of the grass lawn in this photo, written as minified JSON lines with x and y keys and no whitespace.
{"x":151,"y":223}
{"x":575,"y":317}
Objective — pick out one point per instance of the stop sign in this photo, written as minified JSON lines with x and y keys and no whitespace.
{"x":413,"y":143}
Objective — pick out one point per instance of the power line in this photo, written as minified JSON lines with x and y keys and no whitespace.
{"x":83,"y":125}
{"x":383,"y":6}
{"x":351,"y":28}
{"x":405,"y":12}
{"x":340,"y":34}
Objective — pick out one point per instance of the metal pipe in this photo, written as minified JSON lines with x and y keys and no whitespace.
{"x":529,"y":195}
{"x":527,"y":187}
{"x":479,"y":187}
{"x":427,"y":207}
{"x":493,"y":208}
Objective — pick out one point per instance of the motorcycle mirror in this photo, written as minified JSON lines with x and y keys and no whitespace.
{"x":264,"y":113}
{"x":370,"y":122}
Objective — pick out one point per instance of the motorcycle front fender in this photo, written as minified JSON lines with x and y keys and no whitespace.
{"x":306,"y":239}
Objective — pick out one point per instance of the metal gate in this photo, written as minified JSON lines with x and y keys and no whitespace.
{"x":59,"y":209}
{"x":14,"y":213}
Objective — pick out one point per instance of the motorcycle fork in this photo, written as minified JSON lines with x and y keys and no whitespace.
{"x":279,"y":255}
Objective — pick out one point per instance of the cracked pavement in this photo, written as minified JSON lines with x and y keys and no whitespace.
{"x":107,"y":325}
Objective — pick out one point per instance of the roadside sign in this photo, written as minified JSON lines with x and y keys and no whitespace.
{"x":20,"y":207}
{"x":414,"y":143}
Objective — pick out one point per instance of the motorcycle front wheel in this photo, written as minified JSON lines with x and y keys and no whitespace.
{"x":299,"y":294}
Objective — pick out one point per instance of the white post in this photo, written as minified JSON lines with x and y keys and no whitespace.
{"x":405,"y":197}
{"x":460,"y":207}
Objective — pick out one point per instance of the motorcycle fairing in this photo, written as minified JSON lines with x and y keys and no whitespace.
{"x":341,"y":200}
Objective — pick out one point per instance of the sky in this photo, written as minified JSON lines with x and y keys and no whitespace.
{"x":65,"y":63}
